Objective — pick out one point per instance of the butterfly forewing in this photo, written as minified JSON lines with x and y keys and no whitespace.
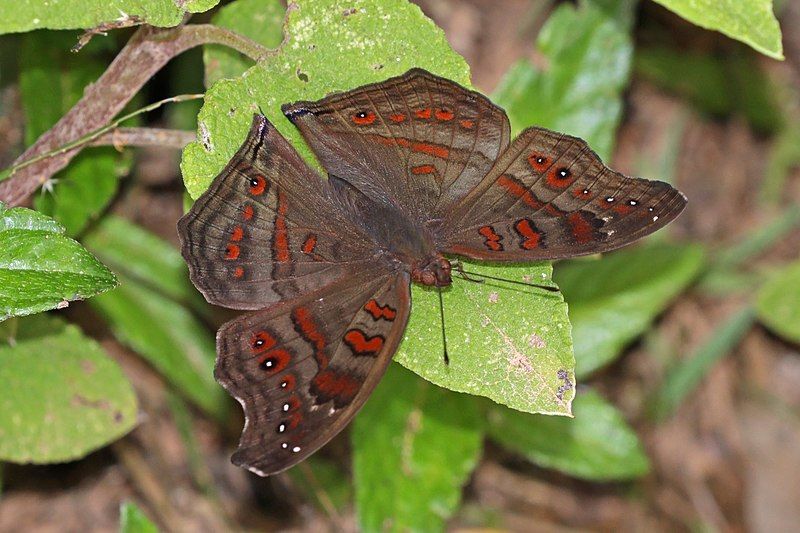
{"x":418,"y":139}
{"x":550,"y":197}
{"x":303,"y":368}
{"x":266,"y":229}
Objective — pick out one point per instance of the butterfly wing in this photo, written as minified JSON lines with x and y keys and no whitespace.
{"x":303,"y":368}
{"x":549,"y":197}
{"x":419,"y":140}
{"x":266,"y":229}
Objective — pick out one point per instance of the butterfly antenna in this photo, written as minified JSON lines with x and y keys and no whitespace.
{"x":444,"y":332}
{"x":550,"y":288}
{"x":460,"y":268}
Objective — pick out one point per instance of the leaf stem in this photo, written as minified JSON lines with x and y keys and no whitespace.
{"x":96,"y":134}
{"x":148,"y":50}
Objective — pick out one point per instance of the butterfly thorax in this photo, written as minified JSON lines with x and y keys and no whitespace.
{"x":403,"y":240}
{"x":434,"y":272}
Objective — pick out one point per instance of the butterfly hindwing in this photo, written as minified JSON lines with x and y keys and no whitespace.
{"x":418,"y":139}
{"x":550,"y":197}
{"x":266,"y":229}
{"x":303,"y":368}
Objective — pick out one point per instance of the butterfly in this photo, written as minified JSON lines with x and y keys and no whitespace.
{"x":420,"y":169}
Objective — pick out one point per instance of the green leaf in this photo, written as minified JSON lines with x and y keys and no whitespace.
{"x":613,"y":300}
{"x":133,"y":520}
{"x":142,"y":314}
{"x":779,"y":303}
{"x":52,"y":79}
{"x":199,"y":6}
{"x":332,"y":45}
{"x":507,"y":342}
{"x":63,"y":397}
{"x":339,"y":45}
{"x":588,"y":54}
{"x":42,"y":269}
{"x":749,"y":21}
{"x":597,"y":444}
{"x":260,"y":20}
{"x":684,"y":377}
{"x":734,"y":83}
{"x":414,"y":446}
{"x":71,"y":14}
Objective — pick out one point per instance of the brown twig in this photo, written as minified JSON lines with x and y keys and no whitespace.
{"x":166,"y":138}
{"x":148,"y":50}
{"x":147,"y":482}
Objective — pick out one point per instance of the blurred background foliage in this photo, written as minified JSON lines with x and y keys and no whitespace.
{"x":686,"y":345}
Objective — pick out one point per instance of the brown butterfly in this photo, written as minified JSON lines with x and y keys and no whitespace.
{"x":419,"y":168}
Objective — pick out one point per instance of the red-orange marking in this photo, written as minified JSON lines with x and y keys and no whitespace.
{"x":280,"y":359}
{"x":431,"y":149}
{"x":288,"y":382}
{"x":238,"y":273}
{"x":423,"y":169}
{"x":294,"y":419}
{"x":553,"y":210}
{"x":379,"y":311}
{"x":539,"y":167}
{"x":492,"y":239}
{"x":259,"y":187}
{"x":581,"y":192}
{"x":262,"y":341}
{"x":232,"y":252}
{"x":391,"y":140}
{"x":467,"y":124}
{"x":426,"y":148}
{"x":525,"y":229}
{"x":397,"y":117}
{"x":516,"y":188}
{"x":423,"y":113}
{"x":365,"y":120}
{"x":581,"y":228}
{"x":444,"y":115}
{"x":303,"y":320}
{"x":280,"y":240}
{"x":293,"y":401}
{"x":248,"y":212}
{"x":341,"y":388}
{"x":309,"y":244}
{"x":555,"y":180}
{"x":237,"y":234}
{"x":623,"y":209}
{"x":361,"y":344}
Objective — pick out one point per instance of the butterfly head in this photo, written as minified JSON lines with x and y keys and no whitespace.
{"x":433,"y":272}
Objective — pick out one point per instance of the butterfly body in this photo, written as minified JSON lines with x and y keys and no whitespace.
{"x":404,"y":243}
{"x":419,"y":169}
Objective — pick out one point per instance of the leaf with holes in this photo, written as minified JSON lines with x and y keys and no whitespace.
{"x":260,"y":20}
{"x":414,"y":446}
{"x":42,"y":269}
{"x":72,"y":14}
{"x":63,"y":397}
{"x":332,"y":45}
